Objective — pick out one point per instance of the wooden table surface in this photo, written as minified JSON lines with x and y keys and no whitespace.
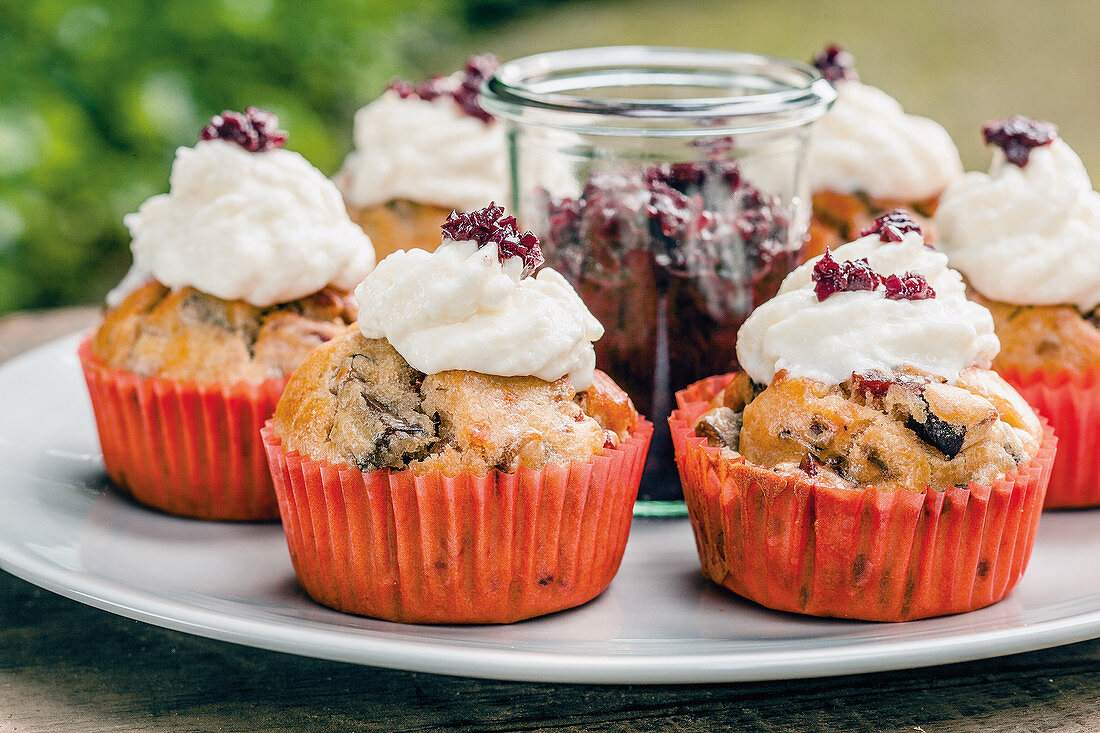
{"x":69,"y":667}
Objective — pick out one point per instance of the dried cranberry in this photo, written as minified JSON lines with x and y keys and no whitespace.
{"x":910,"y":286}
{"x":491,"y":226}
{"x":872,"y":383}
{"x":835,"y":63}
{"x":463,"y":90}
{"x":1017,"y":136}
{"x":890,"y":227}
{"x":808,"y":465}
{"x":833,"y":277}
{"x":875,"y":384}
{"x":256,"y":130}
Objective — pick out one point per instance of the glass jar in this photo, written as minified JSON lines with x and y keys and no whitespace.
{"x":668,"y":186}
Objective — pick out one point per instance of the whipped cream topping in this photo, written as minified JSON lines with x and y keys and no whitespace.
{"x":858,"y":331}
{"x":263,"y":227}
{"x":429,"y":152}
{"x":867,"y":143}
{"x":1027,"y":235}
{"x":460,"y":307}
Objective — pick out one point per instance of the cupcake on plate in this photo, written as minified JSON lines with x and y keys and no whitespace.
{"x":1027,"y":238}
{"x":867,"y":463}
{"x":870,"y":157}
{"x":240,"y":271}
{"x":422,"y":151}
{"x":457,"y":458}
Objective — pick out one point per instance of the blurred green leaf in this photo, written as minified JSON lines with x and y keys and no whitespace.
{"x":96,"y":96}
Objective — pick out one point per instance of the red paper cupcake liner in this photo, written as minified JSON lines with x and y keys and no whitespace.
{"x":794,"y":545}
{"x":1070,"y":401}
{"x":469,"y":549}
{"x":182,"y":447}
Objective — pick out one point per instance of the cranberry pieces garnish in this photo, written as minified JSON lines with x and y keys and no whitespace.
{"x":1018,"y":136}
{"x":256,"y":130}
{"x":491,"y":226}
{"x":464,"y":92}
{"x":835,"y":63}
{"x":834,"y":277}
{"x":909,"y":286}
{"x":890,"y":227}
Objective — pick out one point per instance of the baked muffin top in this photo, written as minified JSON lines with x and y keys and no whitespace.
{"x":904,"y":430}
{"x":189,"y":335}
{"x":356,"y":401}
{"x":871,"y":368}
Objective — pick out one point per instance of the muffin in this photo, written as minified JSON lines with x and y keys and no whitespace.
{"x":870,"y":157}
{"x":866,"y":463}
{"x":239,"y":272}
{"x":421,"y":151}
{"x":457,"y":458}
{"x":1023,"y":235}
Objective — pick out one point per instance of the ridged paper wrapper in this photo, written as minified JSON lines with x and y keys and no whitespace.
{"x":1070,"y":401}
{"x":185,"y":448}
{"x":463,"y":550}
{"x":794,"y":545}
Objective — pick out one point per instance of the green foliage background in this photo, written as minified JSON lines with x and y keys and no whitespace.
{"x":96,"y":96}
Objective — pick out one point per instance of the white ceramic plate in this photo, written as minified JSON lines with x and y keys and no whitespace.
{"x":63,"y":528}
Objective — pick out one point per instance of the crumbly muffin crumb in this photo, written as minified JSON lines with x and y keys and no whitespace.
{"x":356,"y":401}
{"x":905,"y":430}
{"x":189,"y":335}
{"x":1050,"y":337}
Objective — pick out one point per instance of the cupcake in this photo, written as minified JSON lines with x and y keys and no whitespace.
{"x":1023,"y":235}
{"x":457,"y":458}
{"x":866,"y":463}
{"x":239,"y":272}
{"x":870,"y":157}
{"x":421,"y":151}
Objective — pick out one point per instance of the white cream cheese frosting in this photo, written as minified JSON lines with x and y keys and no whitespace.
{"x":858,"y":331}
{"x":262,"y":227}
{"x":428,"y":152}
{"x":866,"y":142}
{"x":1029,"y":235}
{"x":461,"y":308}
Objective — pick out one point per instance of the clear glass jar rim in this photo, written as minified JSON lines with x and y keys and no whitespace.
{"x":544,"y":82}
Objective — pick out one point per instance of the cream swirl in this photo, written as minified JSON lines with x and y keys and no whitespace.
{"x":867,"y":142}
{"x":857,"y":331}
{"x":461,"y":308}
{"x":425,"y":151}
{"x":264,"y":227}
{"x":1029,"y":235}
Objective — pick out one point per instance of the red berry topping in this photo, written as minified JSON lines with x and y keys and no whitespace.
{"x":464,"y":91}
{"x":491,"y":226}
{"x":834,"y":277}
{"x":1017,"y":136}
{"x":890,"y":227}
{"x":835,"y":63}
{"x":910,"y":286}
{"x":256,"y":130}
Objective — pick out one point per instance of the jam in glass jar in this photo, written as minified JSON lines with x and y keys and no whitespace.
{"x":668,"y":186}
